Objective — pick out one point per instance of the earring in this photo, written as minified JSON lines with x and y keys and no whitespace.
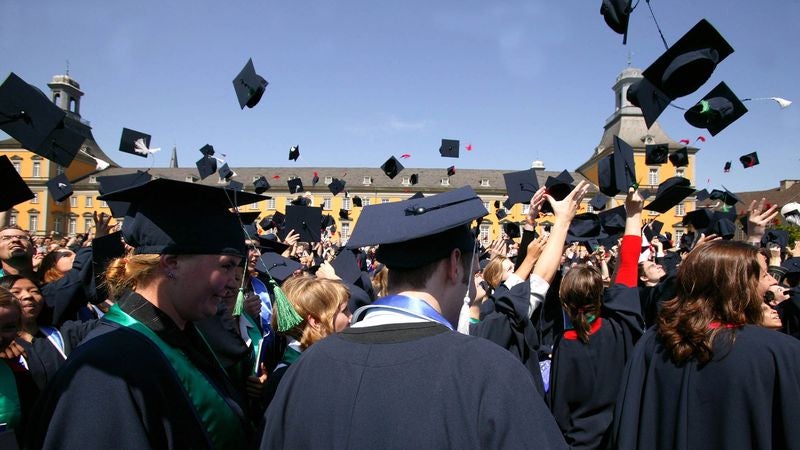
{"x":171,"y":275}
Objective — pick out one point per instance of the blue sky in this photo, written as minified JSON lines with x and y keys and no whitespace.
{"x":353,"y":82}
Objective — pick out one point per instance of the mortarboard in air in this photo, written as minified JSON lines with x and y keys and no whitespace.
{"x":778,"y":237}
{"x":392,"y":167}
{"x":701,"y":194}
{"x":501,"y":213}
{"x":327,"y":221}
{"x":418,"y":231}
{"x":274,"y":221}
{"x":414,"y":179}
{"x":278,"y":267}
{"x":749,"y":160}
{"x":304,"y":220}
{"x":652,"y":229}
{"x":521,"y":186}
{"x":29,"y":116}
{"x":346,"y":266}
{"x":315,"y":179}
{"x":235,"y":185}
{"x":612,"y":170}
{"x":295,"y":185}
{"x":261,"y":185}
{"x":153,"y":226}
{"x":599,"y":202}
{"x":247,"y":221}
{"x":294,"y":152}
{"x":616,"y":14}
{"x":15,"y":191}
{"x":449,"y":148}
{"x":249,"y":85}
{"x":451,"y":171}
{"x":557,"y":187}
{"x":727,"y":167}
{"x":670,"y":193}
{"x":726,"y":196}
{"x":128,"y":142}
{"x":206,"y":166}
{"x":722,"y":226}
{"x":113,"y":183}
{"x":357,"y":201}
{"x":344,"y":214}
{"x":613,"y":220}
{"x":680,"y":157}
{"x":585,"y":227}
{"x":700,"y":219}
{"x":225,"y":172}
{"x":497,"y":203}
{"x":336,"y":186}
{"x":656,"y":154}
{"x":679,"y":71}
{"x":59,"y":187}
{"x":718,"y":109}
{"x":507,"y":204}
{"x":301,"y":201}
{"x":511,"y":229}
{"x":207,"y":150}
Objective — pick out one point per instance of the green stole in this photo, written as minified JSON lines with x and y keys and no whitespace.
{"x":221,"y":423}
{"x":10,"y":409}
{"x":255,"y":337}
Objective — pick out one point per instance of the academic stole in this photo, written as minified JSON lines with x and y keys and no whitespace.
{"x":223,"y":429}
{"x":10,"y":409}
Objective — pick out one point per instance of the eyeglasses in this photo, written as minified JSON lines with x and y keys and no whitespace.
{"x":11,"y":237}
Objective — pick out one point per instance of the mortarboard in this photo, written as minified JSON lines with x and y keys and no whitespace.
{"x":656,"y":154}
{"x":700,"y":219}
{"x":249,"y":86}
{"x":15,"y":191}
{"x":207,"y":150}
{"x":680,"y":157}
{"x":616,"y":14}
{"x":315,"y":179}
{"x":295,"y":185}
{"x":346,"y":266}
{"x":749,"y":160}
{"x":449,"y":148}
{"x":507,"y":204}
{"x":59,"y":187}
{"x":727,"y":197}
{"x":679,"y":71}
{"x":294,"y":152}
{"x":557,"y":187}
{"x":418,"y":231}
{"x":727,"y":167}
{"x":392,"y":167}
{"x":344,"y":214}
{"x":327,"y":221}
{"x":336,"y":186}
{"x":271,"y":243}
{"x":225,"y":172}
{"x":29,"y":116}
{"x":274,"y":221}
{"x":304,"y":220}
{"x":196,"y":222}
{"x":722,"y":225}
{"x":357,"y":201}
{"x":520,"y":186}
{"x":585,"y":227}
{"x":261,"y":185}
{"x":104,"y":250}
{"x":451,"y":171}
{"x":414,"y":179}
{"x":301,"y":201}
{"x":511,"y":229}
{"x":701,"y":194}
{"x":779,"y":237}
{"x":206,"y":166}
{"x":127,"y":142}
{"x":278,"y":267}
{"x":612,"y":170}
{"x":497,"y":203}
{"x":247,"y":219}
{"x":235,"y":185}
{"x":501,"y":213}
{"x":670,"y":193}
{"x":113,"y":183}
{"x":718,"y":109}
{"x":613,"y":220}
{"x":599,"y":202}
{"x":652,"y":230}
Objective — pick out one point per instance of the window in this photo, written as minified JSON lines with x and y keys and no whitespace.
{"x":37,"y":169}
{"x":57,"y":223}
{"x":484,"y":182}
{"x":367,"y":180}
{"x":652,"y":176}
{"x":526,"y":207}
{"x":59,"y":169}
{"x":345,"y":232}
{"x":73,"y":226}
{"x":88,"y":201}
{"x":189,"y":179}
{"x":406,"y":181}
{"x":653,"y":213}
{"x":254,"y":206}
{"x":680,"y":172}
{"x":589,"y":208}
{"x":93,"y":179}
{"x":446,"y":181}
{"x":328,"y":180}
{"x":12,"y":220}
{"x":680,"y":210}
{"x":87,"y":224}
{"x":486,"y":205}
{"x":17,"y":166}
{"x":271,"y":203}
{"x":384,"y":201}
{"x":484,"y":230}
{"x":222,"y":180}
{"x":326,"y":204}
{"x":35,"y":198}
{"x":104,"y":203}
{"x":365,"y":201}
{"x":33,"y":222}
{"x":346,"y":203}
{"x":73,"y":201}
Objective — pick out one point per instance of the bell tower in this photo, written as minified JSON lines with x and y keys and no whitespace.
{"x":66,"y":93}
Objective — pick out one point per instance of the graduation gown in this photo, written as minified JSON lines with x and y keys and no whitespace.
{"x":44,"y":359}
{"x":745,"y":397}
{"x":412,"y":385}
{"x":66,"y":297}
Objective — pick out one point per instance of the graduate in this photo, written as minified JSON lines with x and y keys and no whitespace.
{"x":146,"y":378}
{"x":401,"y":376}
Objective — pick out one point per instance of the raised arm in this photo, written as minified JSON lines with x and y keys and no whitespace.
{"x":564,"y":211}
{"x":631,"y":240}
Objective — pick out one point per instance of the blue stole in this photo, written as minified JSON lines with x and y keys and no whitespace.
{"x":261,"y":290}
{"x":409,"y":305}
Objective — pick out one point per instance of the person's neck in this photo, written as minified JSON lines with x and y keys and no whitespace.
{"x":151,"y":294}
{"x":19,"y":266}
{"x":30,"y":327}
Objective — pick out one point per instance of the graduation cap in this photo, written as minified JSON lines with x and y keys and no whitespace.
{"x":599,"y":202}
{"x":315,"y":179}
{"x":511,"y":229}
{"x":113,"y":183}
{"x":680,"y":157}
{"x":206,"y":166}
{"x":301,"y":201}
{"x":327,"y":221}
{"x":652,"y":229}
{"x":497,"y":203}
{"x":451,"y":171}
{"x":294,"y":152}
{"x":670,"y":193}
{"x":15,"y":191}
{"x":197,"y":221}
{"x":520,"y":186}
{"x":207,"y":150}
{"x":418,"y":231}
{"x":722,"y":226}
{"x":558,"y":187}
{"x":718,"y":109}
{"x":702,"y":194}
{"x":270,"y":243}
{"x":235,"y":185}
{"x":392,"y":167}
{"x":346,"y":266}
{"x":249,"y":86}
{"x":656,"y":154}
{"x":344,"y":214}
{"x":585,"y":227}
{"x":336,"y":186}
{"x":225,"y":172}
{"x":700,"y":219}
{"x":616,"y":14}
{"x":278,"y":267}
{"x":613,"y":220}
{"x":679,"y":71}
{"x":726,"y":196}
{"x":749,"y":160}
{"x":274,"y":221}
{"x":304,"y":220}
{"x":612,"y":170}
{"x":127,"y":142}
{"x":29,"y":116}
{"x":357,"y":201}
{"x":777,"y":237}
{"x":295,"y":185}
{"x":261,"y":185}
{"x":727,"y":167}
{"x":507,"y":204}
{"x":449,"y":148}
{"x":59,"y":187}
{"x":501,"y":213}
{"x":414,"y":179}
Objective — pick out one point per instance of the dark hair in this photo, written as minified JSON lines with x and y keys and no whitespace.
{"x":8,"y":281}
{"x":418,"y":277}
{"x":581,"y":295}
{"x":717,"y":282}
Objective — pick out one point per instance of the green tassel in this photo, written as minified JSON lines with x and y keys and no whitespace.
{"x":287,"y":316}
{"x":238,"y":307}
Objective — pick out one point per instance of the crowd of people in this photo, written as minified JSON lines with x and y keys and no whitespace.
{"x":192,"y":327}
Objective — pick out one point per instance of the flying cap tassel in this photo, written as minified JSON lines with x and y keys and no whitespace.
{"x":287,"y":316}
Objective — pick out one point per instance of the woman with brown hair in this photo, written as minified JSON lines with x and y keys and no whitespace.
{"x":55,"y":265}
{"x":708,"y":376}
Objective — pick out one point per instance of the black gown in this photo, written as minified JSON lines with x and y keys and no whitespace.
{"x":746,"y":397}
{"x":44,"y":359}
{"x":415,"y":385}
